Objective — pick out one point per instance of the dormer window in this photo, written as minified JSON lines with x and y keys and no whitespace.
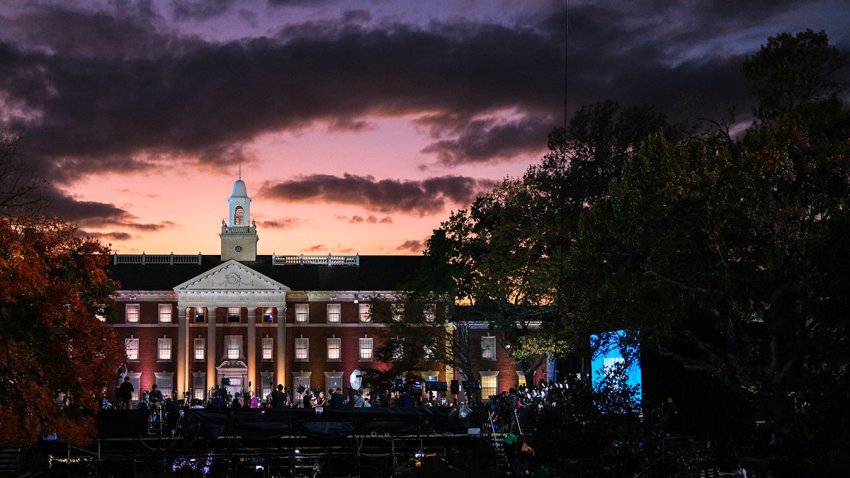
{"x":238,"y":215}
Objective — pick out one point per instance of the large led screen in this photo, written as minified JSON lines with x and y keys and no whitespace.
{"x":610,"y":349}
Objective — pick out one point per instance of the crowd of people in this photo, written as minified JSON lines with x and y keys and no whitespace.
{"x":220,"y":398}
{"x":515,"y":412}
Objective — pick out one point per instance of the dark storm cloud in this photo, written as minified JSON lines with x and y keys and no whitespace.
{"x":95,"y":214}
{"x":684,"y":58}
{"x":73,"y":210}
{"x":59,"y":30}
{"x":411,"y":246}
{"x":115,"y":236}
{"x":126,"y":224}
{"x":386,"y":195}
{"x":288,"y":3}
{"x":488,"y":139}
{"x":370,"y":219}
{"x":148,"y":227}
{"x":150,"y":95}
{"x":199,"y":9}
{"x":108,"y":90}
{"x":282,"y":223}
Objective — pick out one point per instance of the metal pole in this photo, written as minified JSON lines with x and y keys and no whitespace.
{"x":518,"y":426}
{"x":392,"y":454}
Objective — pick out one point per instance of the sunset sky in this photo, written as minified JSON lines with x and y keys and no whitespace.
{"x":359,"y":124}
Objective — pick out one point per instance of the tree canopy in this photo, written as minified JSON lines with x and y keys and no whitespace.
{"x":52,"y":287}
{"x":724,"y":254}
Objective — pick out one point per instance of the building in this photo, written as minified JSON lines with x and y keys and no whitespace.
{"x":249,"y":322}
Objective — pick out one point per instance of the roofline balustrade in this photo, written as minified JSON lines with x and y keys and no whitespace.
{"x":317,"y":260}
{"x":169,"y":259}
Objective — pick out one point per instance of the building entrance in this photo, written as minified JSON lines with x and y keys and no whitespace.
{"x":232,"y":375}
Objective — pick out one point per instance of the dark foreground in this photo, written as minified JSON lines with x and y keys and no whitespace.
{"x":272,"y":443}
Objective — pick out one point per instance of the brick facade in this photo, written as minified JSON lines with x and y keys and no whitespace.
{"x":316,"y":329}
{"x":260,"y":286}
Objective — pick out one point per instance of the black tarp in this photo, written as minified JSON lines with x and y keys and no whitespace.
{"x":324,"y":423}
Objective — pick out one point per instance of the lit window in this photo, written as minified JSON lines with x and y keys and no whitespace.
{"x":163,"y":349}
{"x":268,"y":316}
{"x":267,"y":384}
{"x":132,"y":347}
{"x":234,"y":314}
{"x":429,"y":352}
{"x":520,"y":378}
{"x":233,"y":347}
{"x":165,"y":312}
{"x":488,"y":348}
{"x":268,"y":347}
{"x":132,"y":312}
{"x":489,"y":384}
{"x":333,"y":380}
{"x":165,"y":383}
{"x":299,"y":380}
{"x":302,"y":349}
{"x":199,"y":385}
{"x":398,"y":312}
{"x":398,"y":351}
{"x":200,"y":347}
{"x":302,"y":311}
{"x":366,"y":349}
{"x":334,"y":345}
{"x":334,"y":312}
{"x":134,"y":380}
{"x":200,"y":314}
{"x":429,"y":312}
{"x":365,"y":313}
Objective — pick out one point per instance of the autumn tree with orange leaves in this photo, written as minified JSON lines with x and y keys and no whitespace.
{"x":52,"y":286}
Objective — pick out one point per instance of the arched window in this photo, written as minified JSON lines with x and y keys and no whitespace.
{"x":237,"y":216}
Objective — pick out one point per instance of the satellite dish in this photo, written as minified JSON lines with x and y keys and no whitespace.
{"x":356,"y":379}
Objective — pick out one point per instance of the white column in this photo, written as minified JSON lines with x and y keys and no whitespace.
{"x":211,"y":352}
{"x":182,"y":350}
{"x":280,"y":349}
{"x":252,"y":347}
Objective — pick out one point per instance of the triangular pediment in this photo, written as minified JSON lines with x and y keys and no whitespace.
{"x":229,"y":276}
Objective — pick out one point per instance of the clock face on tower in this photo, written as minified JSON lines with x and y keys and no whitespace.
{"x":238,"y":248}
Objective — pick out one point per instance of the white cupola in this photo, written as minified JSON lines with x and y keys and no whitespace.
{"x":240,"y":205}
{"x":239,"y":235}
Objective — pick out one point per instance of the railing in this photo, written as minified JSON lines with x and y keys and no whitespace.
{"x":240,"y":229}
{"x":170,"y":259}
{"x":328,"y":260}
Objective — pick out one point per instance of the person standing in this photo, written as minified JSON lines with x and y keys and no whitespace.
{"x":359,"y":401}
{"x":336,"y":398}
{"x":125,"y":393}
{"x":156,"y":397}
{"x":319,"y":399}
{"x":671,"y":416}
{"x":407,"y":399}
{"x":278,"y":398}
